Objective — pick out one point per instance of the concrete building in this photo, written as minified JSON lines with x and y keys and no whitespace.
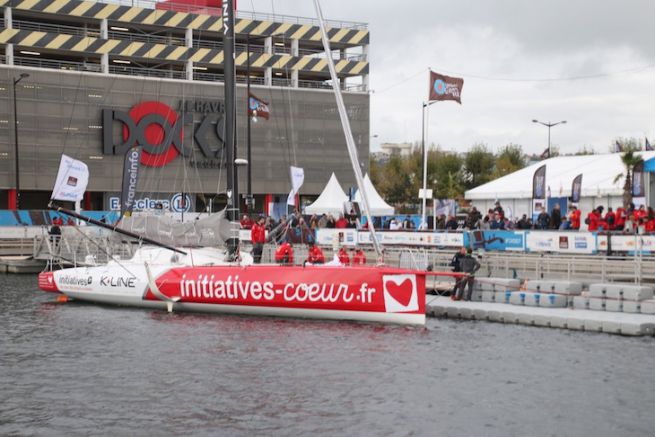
{"x":401,"y":149}
{"x":106,"y":75}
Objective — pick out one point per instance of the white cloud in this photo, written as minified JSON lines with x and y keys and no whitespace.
{"x":505,"y":39}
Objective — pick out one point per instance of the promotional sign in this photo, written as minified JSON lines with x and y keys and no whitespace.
{"x":434,"y":239}
{"x":165,"y":203}
{"x":352,"y":289}
{"x":445,"y":87}
{"x":159,"y":130}
{"x":329,"y":237}
{"x":72,"y":179}
{"x":561,"y":242}
{"x":130,"y":179}
{"x":495,"y":240}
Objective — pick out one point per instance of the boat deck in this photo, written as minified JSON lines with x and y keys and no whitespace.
{"x":563,"y":318}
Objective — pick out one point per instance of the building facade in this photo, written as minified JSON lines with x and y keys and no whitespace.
{"x":106,"y":76}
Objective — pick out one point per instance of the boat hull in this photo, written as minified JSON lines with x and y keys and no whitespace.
{"x":368,"y":294}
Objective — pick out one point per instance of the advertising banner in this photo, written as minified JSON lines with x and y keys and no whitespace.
{"x":561,"y":242}
{"x":330,"y":237}
{"x":72,"y":179}
{"x":496,"y":240}
{"x":434,"y":239}
{"x":130,"y":180}
{"x":576,"y":188}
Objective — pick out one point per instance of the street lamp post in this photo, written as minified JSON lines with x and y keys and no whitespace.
{"x":549,"y":125}
{"x":16,"y":161}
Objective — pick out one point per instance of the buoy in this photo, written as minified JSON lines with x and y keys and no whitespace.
{"x":62,"y":298}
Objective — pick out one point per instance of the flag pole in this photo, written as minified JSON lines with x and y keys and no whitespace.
{"x":424,"y":153}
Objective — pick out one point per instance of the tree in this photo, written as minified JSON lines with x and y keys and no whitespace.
{"x":630,"y":159}
{"x":446,"y":174}
{"x":510,"y":159}
{"x":479,"y":165}
{"x":627,"y":144}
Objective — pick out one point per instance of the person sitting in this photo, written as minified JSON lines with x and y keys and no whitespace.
{"x":284,"y":254}
{"x":343,"y":257}
{"x":315,"y":255}
{"x":359,"y":258}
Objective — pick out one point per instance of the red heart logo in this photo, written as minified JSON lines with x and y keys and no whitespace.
{"x":402,"y":292}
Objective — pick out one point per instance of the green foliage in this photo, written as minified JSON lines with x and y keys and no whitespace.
{"x":510,"y":159}
{"x":629,"y":159}
{"x":479,"y":166}
{"x":628,"y":144}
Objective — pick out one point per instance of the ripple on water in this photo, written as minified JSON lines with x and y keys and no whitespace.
{"x":85,"y":369}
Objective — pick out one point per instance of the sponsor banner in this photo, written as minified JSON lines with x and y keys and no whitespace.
{"x":562,"y":242}
{"x":539,"y":183}
{"x":496,"y":240}
{"x":638,"y":189}
{"x":324,"y":288}
{"x":176,"y":203}
{"x":628,"y":243}
{"x":576,"y":188}
{"x":130,"y":180}
{"x":436,"y":239}
{"x":72,"y":179}
{"x":329,"y":237}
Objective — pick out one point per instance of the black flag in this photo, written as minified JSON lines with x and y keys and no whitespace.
{"x":638,"y":189}
{"x":576,"y":187}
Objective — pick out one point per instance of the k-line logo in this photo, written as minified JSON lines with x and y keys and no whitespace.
{"x":159,"y":130}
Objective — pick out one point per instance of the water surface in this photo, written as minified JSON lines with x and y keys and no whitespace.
{"x":82,"y":369}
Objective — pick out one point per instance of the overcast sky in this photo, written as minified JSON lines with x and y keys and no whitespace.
{"x":504,"y":50}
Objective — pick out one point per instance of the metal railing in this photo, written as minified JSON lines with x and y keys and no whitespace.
{"x":147,"y":38}
{"x":57,"y":65}
{"x":55,"y":28}
{"x":147,"y":72}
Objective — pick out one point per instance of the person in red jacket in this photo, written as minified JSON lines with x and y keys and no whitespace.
{"x":610,"y":219}
{"x":315,"y":255}
{"x":343,"y":257}
{"x":620,"y":219}
{"x":246,"y":222}
{"x":258,"y":238}
{"x":594,"y":220}
{"x":342,"y":223}
{"x":359,"y":258}
{"x":575,"y":217}
{"x":284,"y":254}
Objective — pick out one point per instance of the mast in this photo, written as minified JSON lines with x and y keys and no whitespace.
{"x":350,"y":141}
{"x":230,"y":123}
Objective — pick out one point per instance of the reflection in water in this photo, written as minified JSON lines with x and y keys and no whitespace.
{"x":89,"y":369}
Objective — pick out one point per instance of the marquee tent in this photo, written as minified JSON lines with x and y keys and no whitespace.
{"x":377,"y":204}
{"x":598,"y":186}
{"x":330,"y":201}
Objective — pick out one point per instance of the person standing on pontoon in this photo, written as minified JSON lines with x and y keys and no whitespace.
{"x":469,"y":265}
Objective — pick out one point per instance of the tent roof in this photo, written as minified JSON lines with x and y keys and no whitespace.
{"x":377,"y":204}
{"x":331,"y":199}
{"x":598,"y":174}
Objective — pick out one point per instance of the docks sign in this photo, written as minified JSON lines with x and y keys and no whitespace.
{"x":159,"y":130}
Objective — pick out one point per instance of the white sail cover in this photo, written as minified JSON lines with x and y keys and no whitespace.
{"x":376,"y":203}
{"x":331,"y":199}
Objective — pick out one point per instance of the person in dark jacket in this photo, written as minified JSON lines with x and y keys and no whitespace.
{"x":556,"y":217}
{"x":469,"y":265}
{"x":543,"y":219}
{"x":454,"y":263}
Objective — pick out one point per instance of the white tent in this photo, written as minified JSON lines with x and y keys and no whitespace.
{"x":376,"y":203}
{"x":330,"y":201}
{"x":598,"y":182}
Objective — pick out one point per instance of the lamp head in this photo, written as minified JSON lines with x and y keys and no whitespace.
{"x":563,"y":121}
{"x":535,"y":121}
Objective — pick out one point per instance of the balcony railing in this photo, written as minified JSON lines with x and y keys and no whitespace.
{"x":168,"y":74}
{"x":57,"y":65}
{"x":55,"y":28}
{"x":147,"y":38}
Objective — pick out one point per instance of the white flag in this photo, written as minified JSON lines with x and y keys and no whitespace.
{"x":297,"y":179}
{"x":72,"y":179}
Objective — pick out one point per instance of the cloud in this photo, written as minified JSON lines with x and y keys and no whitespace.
{"x":502,"y":48}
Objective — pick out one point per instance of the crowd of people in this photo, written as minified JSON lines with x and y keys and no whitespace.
{"x":627,"y":220}
{"x":266,"y":229}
